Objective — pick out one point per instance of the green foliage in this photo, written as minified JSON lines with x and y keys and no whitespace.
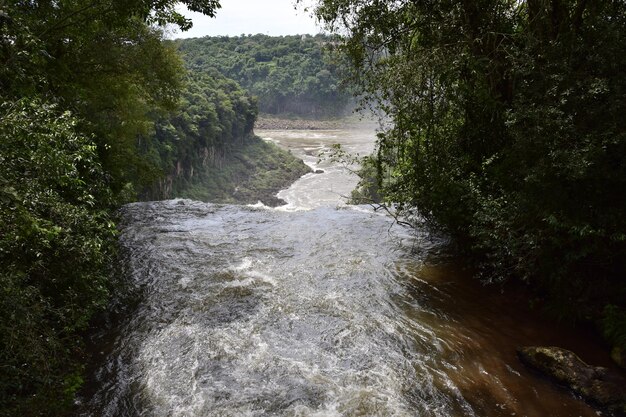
{"x":79,"y":81}
{"x":214,"y":118}
{"x":104,"y":63}
{"x":367,"y":190}
{"x":288,"y":74}
{"x":508,"y":131}
{"x":55,"y":246}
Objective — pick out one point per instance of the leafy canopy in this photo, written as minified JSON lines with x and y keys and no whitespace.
{"x":288,"y":74}
{"x":508,"y":131}
{"x":79,"y":81}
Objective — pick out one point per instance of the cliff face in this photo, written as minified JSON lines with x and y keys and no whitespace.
{"x":214,"y":121}
{"x":173,"y":183}
{"x":250,"y":172}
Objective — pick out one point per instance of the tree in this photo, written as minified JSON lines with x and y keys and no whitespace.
{"x":288,"y":74}
{"x":79,"y":81}
{"x":506,"y":131}
{"x":55,"y":249}
{"x":104,"y":61}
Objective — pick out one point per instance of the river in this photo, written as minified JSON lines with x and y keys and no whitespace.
{"x":315,"y":308}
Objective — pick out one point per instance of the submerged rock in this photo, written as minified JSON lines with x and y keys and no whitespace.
{"x":594,"y":383}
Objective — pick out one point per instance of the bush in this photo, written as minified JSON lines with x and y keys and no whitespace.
{"x":55,"y":246}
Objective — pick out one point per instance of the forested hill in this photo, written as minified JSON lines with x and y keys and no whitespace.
{"x":288,"y":74}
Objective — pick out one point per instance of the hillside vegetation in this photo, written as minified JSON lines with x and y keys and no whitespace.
{"x":287,"y":74}
{"x":206,"y":150}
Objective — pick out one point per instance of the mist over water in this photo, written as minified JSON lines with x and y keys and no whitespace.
{"x":313,"y":309}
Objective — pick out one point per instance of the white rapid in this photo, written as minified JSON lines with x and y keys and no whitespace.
{"x":331,"y":182}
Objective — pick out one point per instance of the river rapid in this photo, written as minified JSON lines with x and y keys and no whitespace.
{"x":315,"y":308}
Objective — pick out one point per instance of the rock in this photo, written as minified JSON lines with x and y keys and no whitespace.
{"x":273,"y":201}
{"x":594,"y":383}
{"x":319,"y":171}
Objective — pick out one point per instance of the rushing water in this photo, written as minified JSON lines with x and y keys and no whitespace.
{"x":333,"y":182}
{"x":334,"y":311}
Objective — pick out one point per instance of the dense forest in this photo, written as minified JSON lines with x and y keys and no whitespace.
{"x":98,"y":110}
{"x":289,"y":74}
{"x":508,"y":133}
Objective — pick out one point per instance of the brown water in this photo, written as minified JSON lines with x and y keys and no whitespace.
{"x":481,"y":329}
{"x":316,"y":309}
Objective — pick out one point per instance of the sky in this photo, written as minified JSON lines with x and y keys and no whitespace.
{"x":236,"y":17}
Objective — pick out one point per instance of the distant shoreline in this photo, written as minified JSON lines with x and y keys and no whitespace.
{"x":277,"y":123}
{"x":270,"y":122}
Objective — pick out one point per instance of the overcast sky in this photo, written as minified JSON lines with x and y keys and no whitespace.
{"x":236,"y":17}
